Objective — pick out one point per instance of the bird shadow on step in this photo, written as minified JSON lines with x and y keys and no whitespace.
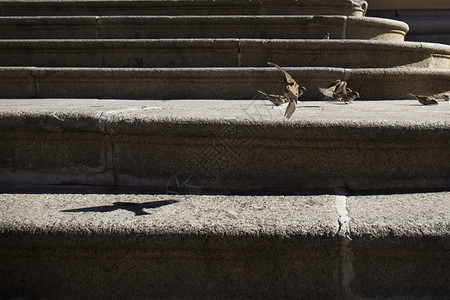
{"x":136,"y":208}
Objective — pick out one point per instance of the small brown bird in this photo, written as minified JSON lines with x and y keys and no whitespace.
{"x":290,"y":86}
{"x":337,"y":90}
{"x":329,"y":91}
{"x":443,"y":96}
{"x":293,"y":104}
{"x":425,"y":100}
{"x":341,"y":91}
{"x":277,"y":100}
{"x":291,"y":90}
{"x":350,"y":96}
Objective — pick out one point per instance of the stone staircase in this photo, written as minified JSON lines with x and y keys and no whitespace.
{"x":137,"y":159}
{"x":74,"y":53}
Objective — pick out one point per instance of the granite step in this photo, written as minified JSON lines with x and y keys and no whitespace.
{"x":213,"y":83}
{"x":90,"y":242}
{"x":224,"y":146}
{"x":181,"y":7}
{"x":160,"y":53}
{"x":150,"y":27}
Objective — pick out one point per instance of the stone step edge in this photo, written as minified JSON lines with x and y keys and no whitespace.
{"x":98,"y":141}
{"x":69,"y":206}
{"x":222,"y":53}
{"x":327,"y":244}
{"x":36,"y":7}
{"x":344,"y":27}
{"x":213,"y":83}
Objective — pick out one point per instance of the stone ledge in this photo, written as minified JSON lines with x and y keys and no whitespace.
{"x":148,"y":27}
{"x":148,"y":143}
{"x":188,"y":53}
{"x":78,"y":241}
{"x":400,"y":244}
{"x":182,"y":7}
{"x":212,"y":83}
{"x":161,"y":245}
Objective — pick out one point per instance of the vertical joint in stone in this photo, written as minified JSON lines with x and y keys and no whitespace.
{"x":239,"y":53}
{"x":97,"y":25}
{"x":345,"y":252}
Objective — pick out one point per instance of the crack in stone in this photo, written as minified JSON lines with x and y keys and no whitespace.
{"x":345,"y":252}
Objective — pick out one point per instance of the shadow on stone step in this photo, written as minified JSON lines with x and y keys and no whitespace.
{"x":136,"y":208}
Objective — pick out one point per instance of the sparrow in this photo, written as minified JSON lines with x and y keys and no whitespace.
{"x":329,"y":91}
{"x":290,"y":86}
{"x":291,"y":90}
{"x":444,"y":96}
{"x":335,"y":91}
{"x":425,"y":100}
{"x":277,"y":100}
{"x":350,"y":96}
{"x":341,"y":91}
{"x":326,"y":36}
{"x":293,"y":104}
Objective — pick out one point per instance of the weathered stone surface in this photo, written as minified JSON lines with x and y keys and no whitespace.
{"x":53,"y":148}
{"x":343,"y":53}
{"x":120,"y":53}
{"x":222,"y":53}
{"x":400,"y":245}
{"x":183,"y":7}
{"x":229,"y":145}
{"x":17,"y":82}
{"x":93,"y":242}
{"x":216,"y":83}
{"x":87,"y":244}
{"x":232,"y":26}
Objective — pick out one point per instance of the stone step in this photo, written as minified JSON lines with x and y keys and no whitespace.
{"x":222,"y":53}
{"x":149,"y":27}
{"x":81,"y":242}
{"x":213,"y":83}
{"x":182,"y":7}
{"x":224,"y":146}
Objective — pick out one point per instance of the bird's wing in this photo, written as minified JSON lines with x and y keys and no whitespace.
{"x":428,"y":101}
{"x":271,"y":95}
{"x":289,"y":78}
{"x":335,"y":83}
{"x":445,"y":96}
{"x":422,"y":97}
{"x":341,"y":90}
{"x":290,"y":109}
{"x":275,"y":99}
{"x":328,"y":92}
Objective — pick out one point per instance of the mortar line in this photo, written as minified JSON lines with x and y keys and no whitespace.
{"x":345,"y":252}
